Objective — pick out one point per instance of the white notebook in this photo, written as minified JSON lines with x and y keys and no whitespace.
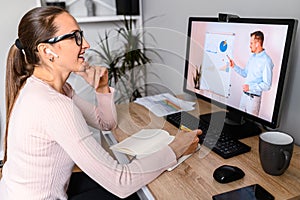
{"x":144,"y":142}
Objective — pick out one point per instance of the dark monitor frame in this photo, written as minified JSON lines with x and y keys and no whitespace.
{"x":291,"y":23}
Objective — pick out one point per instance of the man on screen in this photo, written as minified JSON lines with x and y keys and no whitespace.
{"x":257,"y":74}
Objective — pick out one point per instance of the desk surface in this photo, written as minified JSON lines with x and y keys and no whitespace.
{"x":193,"y":178}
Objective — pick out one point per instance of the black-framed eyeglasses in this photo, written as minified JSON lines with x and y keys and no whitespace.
{"x":78,"y":35}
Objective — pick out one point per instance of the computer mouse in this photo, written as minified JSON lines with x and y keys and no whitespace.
{"x":228,"y":173}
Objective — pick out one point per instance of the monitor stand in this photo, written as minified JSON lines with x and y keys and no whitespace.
{"x":236,"y":129}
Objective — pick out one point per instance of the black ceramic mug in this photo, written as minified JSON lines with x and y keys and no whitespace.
{"x":275,"y":151}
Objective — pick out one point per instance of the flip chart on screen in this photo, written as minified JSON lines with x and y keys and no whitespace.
{"x":215,"y":70}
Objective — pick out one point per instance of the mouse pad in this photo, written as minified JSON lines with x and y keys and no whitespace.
{"x":251,"y":192}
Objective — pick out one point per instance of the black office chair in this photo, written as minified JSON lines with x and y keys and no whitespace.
{"x":83,"y":187}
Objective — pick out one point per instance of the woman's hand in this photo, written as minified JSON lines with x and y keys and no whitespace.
{"x":102,"y":80}
{"x":185,"y":142}
{"x":97,"y":77}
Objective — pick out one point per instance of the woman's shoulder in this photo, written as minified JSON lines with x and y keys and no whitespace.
{"x":39,"y":92}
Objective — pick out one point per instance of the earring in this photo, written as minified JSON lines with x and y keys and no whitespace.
{"x":51,"y":59}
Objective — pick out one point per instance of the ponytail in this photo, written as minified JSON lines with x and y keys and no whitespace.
{"x":17,"y":71}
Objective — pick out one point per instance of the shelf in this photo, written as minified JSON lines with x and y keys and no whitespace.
{"x":103,"y":18}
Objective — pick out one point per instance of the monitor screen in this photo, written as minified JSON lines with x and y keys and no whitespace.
{"x":240,"y":64}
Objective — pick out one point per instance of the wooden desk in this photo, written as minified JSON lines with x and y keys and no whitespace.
{"x":193,"y":179}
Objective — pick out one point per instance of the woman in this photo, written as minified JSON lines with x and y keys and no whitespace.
{"x":47,"y":124}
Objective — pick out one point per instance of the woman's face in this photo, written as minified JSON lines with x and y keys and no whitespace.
{"x":70,"y":54}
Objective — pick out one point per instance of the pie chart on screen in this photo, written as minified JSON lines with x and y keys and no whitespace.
{"x":223,"y":46}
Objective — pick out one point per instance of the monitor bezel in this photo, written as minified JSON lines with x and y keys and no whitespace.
{"x":291,"y":23}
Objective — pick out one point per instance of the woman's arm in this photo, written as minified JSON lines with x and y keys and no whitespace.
{"x":69,"y":129}
{"x":102,"y":116}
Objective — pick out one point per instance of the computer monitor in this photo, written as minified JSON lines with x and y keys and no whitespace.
{"x":212,"y":45}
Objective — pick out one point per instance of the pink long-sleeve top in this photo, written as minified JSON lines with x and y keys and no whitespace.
{"x":48,"y":134}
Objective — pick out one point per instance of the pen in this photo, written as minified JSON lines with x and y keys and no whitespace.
{"x":184,"y":128}
{"x":228,"y":57}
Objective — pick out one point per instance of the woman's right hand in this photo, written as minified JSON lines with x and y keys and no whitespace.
{"x":185,"y":143}
{"x":96,"y":76}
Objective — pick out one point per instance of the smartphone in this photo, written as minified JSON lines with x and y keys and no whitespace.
{"x":251,"y":192}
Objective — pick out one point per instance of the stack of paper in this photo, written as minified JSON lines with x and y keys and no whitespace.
{"x":144,"y":142}
{"x":165,"y":104}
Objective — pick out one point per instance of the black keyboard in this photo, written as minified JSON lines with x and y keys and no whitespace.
{"x":212,"y":137}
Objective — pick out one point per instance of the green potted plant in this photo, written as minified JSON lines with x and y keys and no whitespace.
{"x":197,"y":77}
{"x":127,"y":62}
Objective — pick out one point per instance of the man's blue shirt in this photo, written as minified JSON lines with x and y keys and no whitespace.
{"x":258,"y":72}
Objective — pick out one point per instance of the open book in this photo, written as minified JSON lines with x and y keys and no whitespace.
{"x":144,"y":142}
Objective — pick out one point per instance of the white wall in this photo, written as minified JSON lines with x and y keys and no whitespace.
{"x":10,"y":14}
{"x":170,"y":27}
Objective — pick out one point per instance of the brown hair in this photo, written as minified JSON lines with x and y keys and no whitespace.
{"x":258,"y":35}
{"x":36,"y":26}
